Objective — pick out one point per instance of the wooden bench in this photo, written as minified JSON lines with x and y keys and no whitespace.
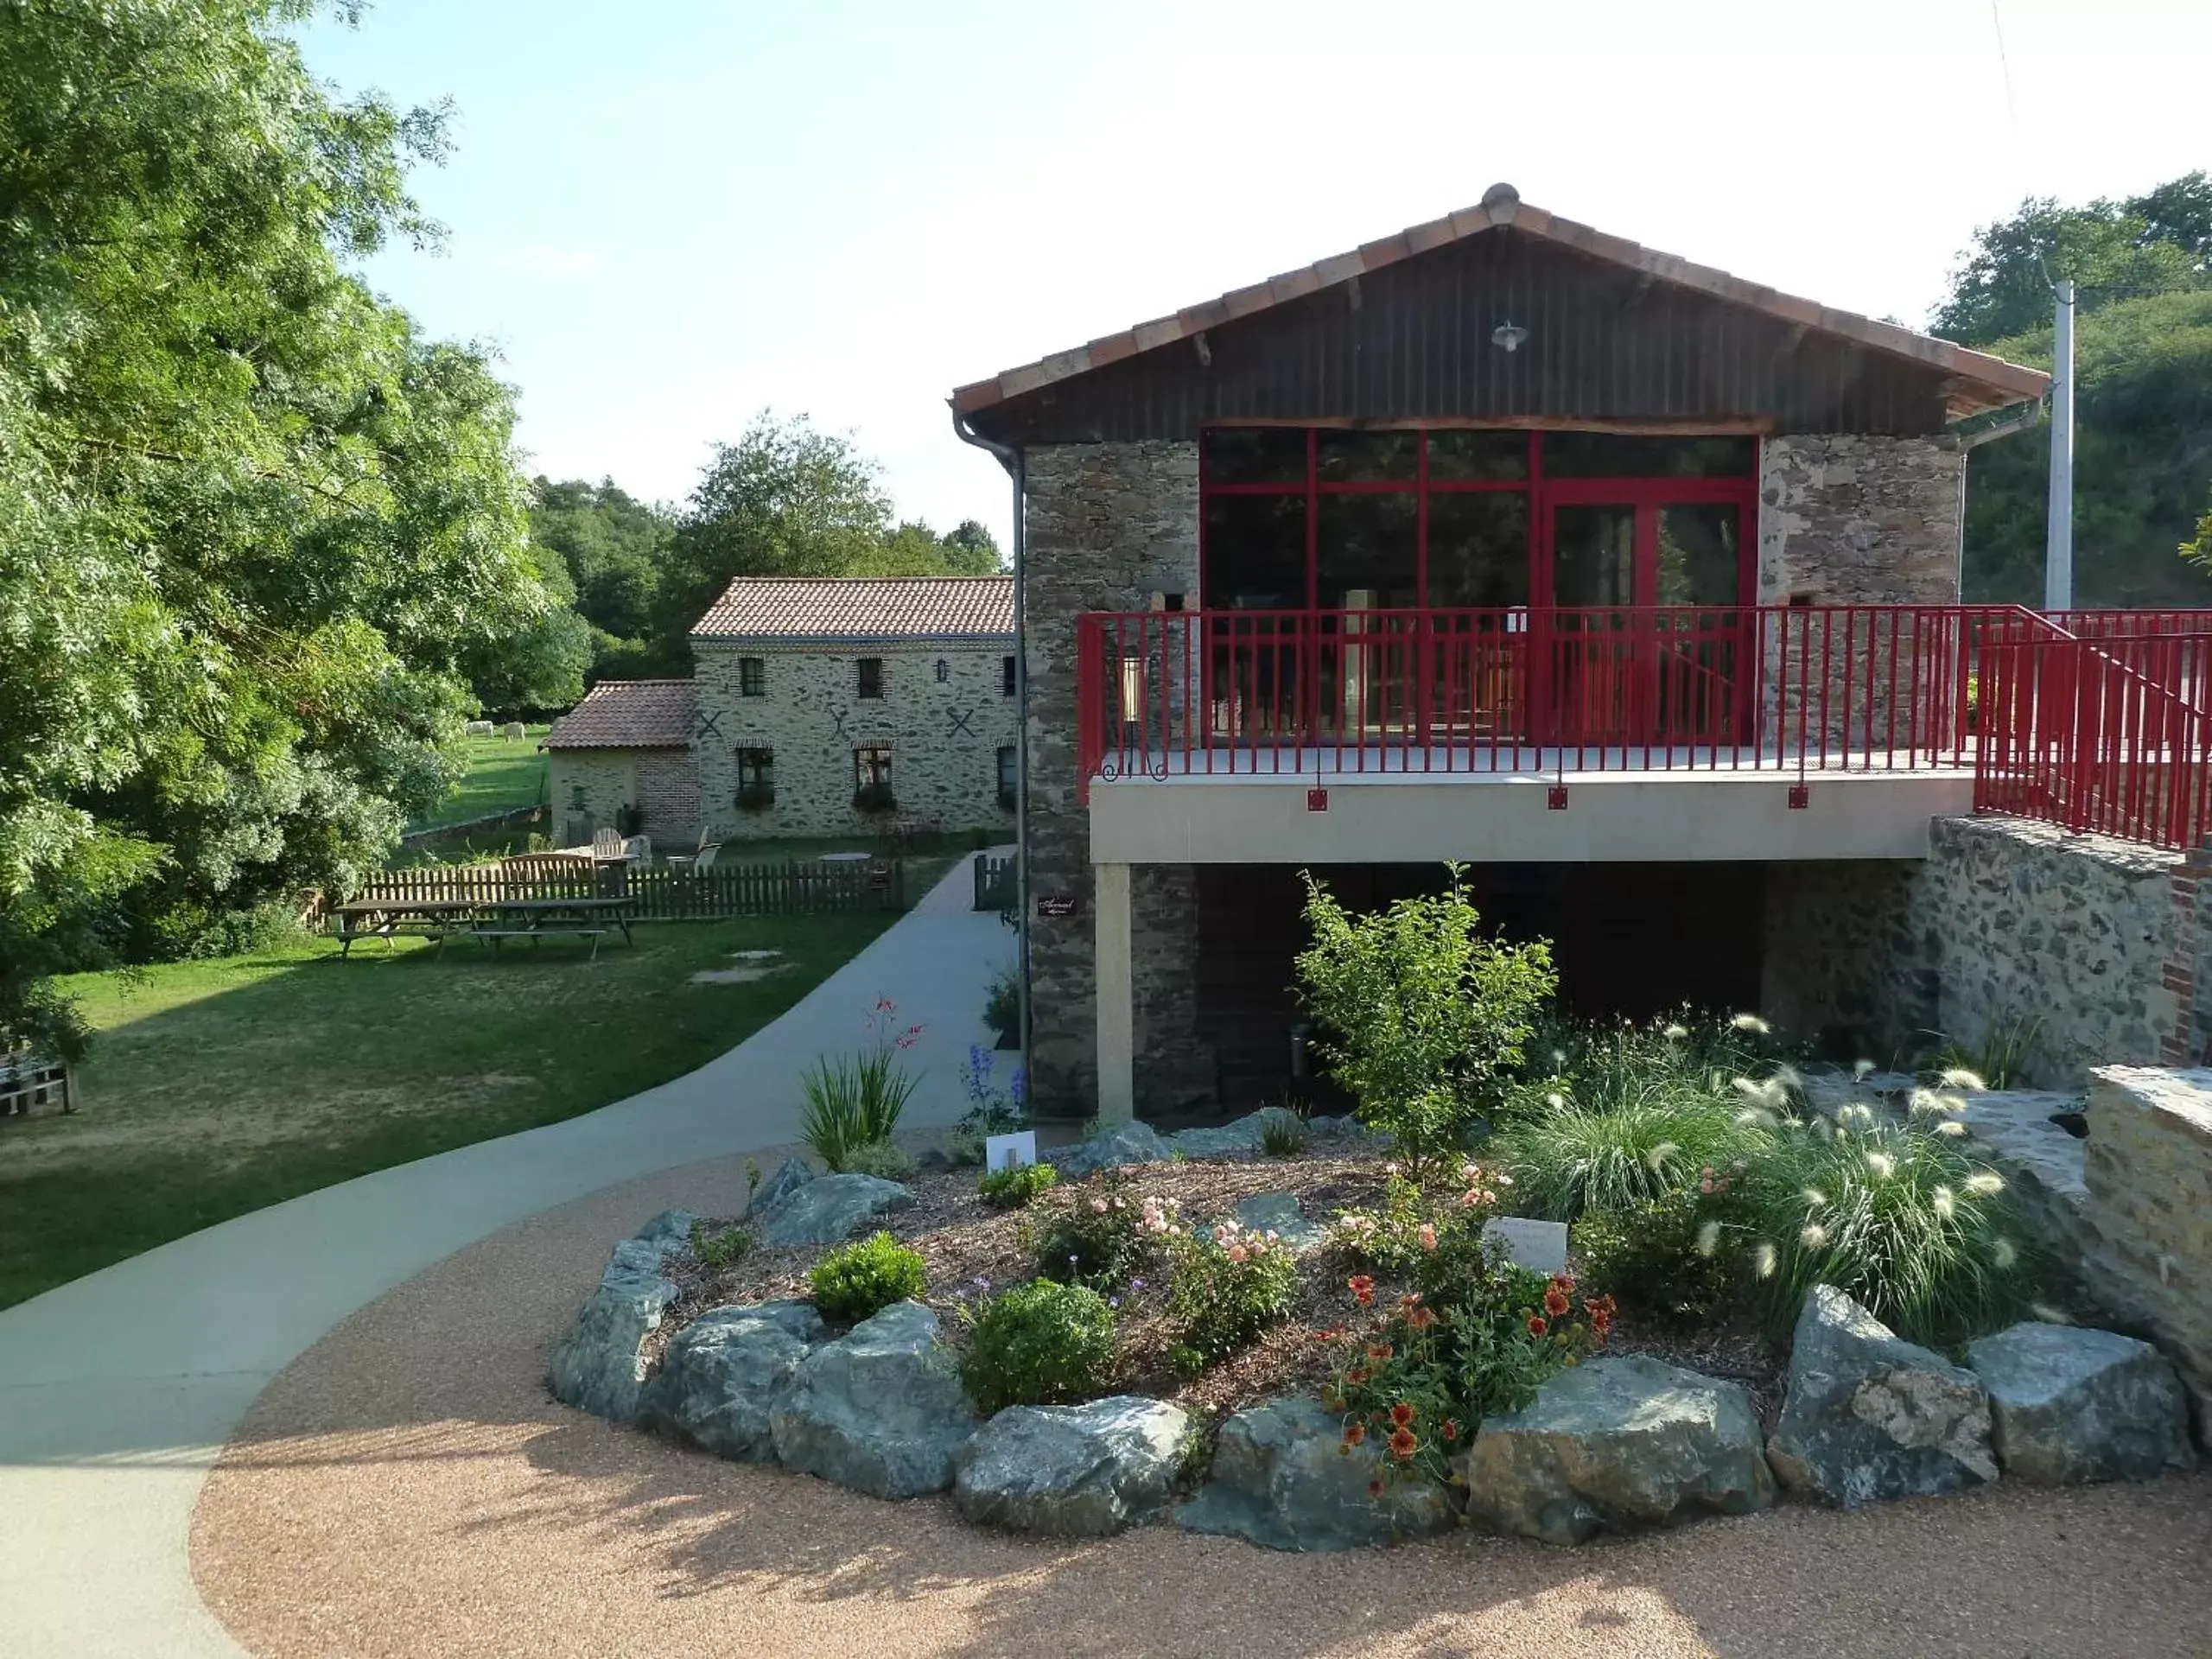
{"x":29,"y":1083}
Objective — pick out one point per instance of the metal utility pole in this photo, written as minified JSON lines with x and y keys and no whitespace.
{"x":2058,"y":546}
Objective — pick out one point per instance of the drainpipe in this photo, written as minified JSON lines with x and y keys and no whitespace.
{"x":1013,"y":460}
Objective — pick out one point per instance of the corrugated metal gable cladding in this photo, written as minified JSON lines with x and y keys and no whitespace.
{"x":1604,"y":345}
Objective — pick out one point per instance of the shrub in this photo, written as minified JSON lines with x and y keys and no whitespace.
{"x":857,"y":1101}
{"x":1424,"y":1383}
{"x":1010,"y":1189}
{"x":1680,"y":1257}
{"x":1421,"y":1016}
{"x":1101,"y":1238}
{"x":854,"y":1281}
{"x":714,"y":1251}
{"x":1038,"y":1343}
{"x":1922,"y":1234}
{"x":1571,"y":1157}
{"x":885,"y":1159}
{"x":1003,"y":1009}
{"x":1228,"y":1287}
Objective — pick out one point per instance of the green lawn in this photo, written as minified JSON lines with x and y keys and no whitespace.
{"x":504,"y":772}
{"x":219,"y":1087}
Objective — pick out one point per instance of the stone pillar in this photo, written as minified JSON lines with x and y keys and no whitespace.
{"x":2148,"y":1164}
{"x":1115,"y":995}
{"x":1106,"y":527}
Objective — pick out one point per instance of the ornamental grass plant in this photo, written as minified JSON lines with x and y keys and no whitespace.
{"x":1922,"y":1233}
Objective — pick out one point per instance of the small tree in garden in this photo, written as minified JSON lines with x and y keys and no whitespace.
{"x":1419,"y":1011}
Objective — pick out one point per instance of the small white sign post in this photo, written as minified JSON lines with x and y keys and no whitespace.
{"x":1539,"y":1246}
{"x":1010,"y":1151}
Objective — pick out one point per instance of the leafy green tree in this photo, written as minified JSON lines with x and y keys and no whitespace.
{"x":614,"y":550}
{"x":971,"y":549}
{"x":258,"y":539}
{"x":2143,"y":365}
{"x":1421,"y":1013}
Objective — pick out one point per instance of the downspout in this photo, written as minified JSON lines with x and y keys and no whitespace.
{"x":1013,"y":460}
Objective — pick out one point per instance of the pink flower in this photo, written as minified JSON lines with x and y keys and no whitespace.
{"x":1427,"y":1236}
{"x":1238,"y":1253}
{"x":1098,"y":1206}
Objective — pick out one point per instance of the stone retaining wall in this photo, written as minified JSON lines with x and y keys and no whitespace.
{"x":2084,"y":947}
{"x":2149,"y":1171}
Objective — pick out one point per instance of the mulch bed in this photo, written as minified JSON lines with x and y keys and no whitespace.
{"x":971,"y":1250}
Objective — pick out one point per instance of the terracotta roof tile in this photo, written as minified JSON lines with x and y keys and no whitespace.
{"x":628,"y":715}
{"x":1980,"y":381}
{"x":861,"y":607}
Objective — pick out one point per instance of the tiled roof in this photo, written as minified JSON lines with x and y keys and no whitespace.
{"x":861,"y":607}
{"x":1978,"y":381}
{"x":628,"y":715}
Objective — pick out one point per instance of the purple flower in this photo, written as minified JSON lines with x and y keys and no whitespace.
{"x":1017,"y":1086}
{"x":1136,"y":1284}
{"x":1113,"y":1301}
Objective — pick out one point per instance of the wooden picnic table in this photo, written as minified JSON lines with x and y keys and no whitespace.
{"x":495,"y":919}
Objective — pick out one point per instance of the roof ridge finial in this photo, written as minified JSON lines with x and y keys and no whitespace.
{"x":1501,"y":201}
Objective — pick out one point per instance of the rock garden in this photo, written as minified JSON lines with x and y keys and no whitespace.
{"x":1551,"y":1281}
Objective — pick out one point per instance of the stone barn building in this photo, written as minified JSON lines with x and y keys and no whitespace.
{"x":1632,"y":584}
{"x":819,"y":706}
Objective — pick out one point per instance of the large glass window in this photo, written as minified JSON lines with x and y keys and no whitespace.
{"x":1344,"y":518}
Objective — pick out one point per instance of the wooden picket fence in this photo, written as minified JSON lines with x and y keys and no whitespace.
{"x":661,"y":894}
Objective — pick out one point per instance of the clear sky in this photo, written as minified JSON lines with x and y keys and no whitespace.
{"x":667,"y":214}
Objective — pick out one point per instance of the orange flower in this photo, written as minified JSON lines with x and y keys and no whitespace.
{"x":1379,"y":1351}
{"x":1356,"y":1375}
{"x":1402,"y":1414}
{"x":1361,"y":1284}
{"x":1403,"y":1444}
{"x":1537,"y":1326}
{"x":1451,"y":1429}
{"x":1557,"y":1302}
{"x":1422,"y":1318}
{"x":1355,"y":1432}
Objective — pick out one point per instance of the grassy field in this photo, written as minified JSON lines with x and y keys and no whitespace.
{"x":219,"y":1087}
{"x":504,"y":772}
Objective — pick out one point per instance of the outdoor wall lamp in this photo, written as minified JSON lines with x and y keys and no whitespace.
{"x":1508,"y":334}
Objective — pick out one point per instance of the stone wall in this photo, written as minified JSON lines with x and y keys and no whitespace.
{"x":1106,"y":527}
{"x":2148,"y":1166}
{"x":589,"y":787}
{"x":1851,"y":520}
{"x":945,"y":735}
{"x":2083,"y":948}
{"x":1845,"y":956}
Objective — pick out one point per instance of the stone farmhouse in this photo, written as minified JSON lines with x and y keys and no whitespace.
{"x":1633,"y":584}
{"x":819,"y":706}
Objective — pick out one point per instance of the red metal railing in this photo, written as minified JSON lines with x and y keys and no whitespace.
{"x":2098,"y":729}
{"x":2105,"y":732}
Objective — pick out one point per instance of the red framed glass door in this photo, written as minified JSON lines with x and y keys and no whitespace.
{"x":1644,"y":630}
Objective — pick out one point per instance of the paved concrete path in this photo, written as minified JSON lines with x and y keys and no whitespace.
{"x":117,"y":1391}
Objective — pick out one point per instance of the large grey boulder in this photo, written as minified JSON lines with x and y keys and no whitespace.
{"x":726,"y":1372}
{"x":2070,"y":1404}
{"x":1868,"y":1415}
{"x":597,"y":1367}
{"x":1278,"y":1213}
{"x":791,"y":1175}
{"x":1132,"y":1142}
{"x":1279,"y":1480}
{"x":881,"y":1410}
{"x":1616,"y":1444}
{"x":1075,"y":1471}
{"x":1244,"y":1135}
{"x":828,"y":1210}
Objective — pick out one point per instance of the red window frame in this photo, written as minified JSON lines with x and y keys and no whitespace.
{"x":1543,"y":494}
